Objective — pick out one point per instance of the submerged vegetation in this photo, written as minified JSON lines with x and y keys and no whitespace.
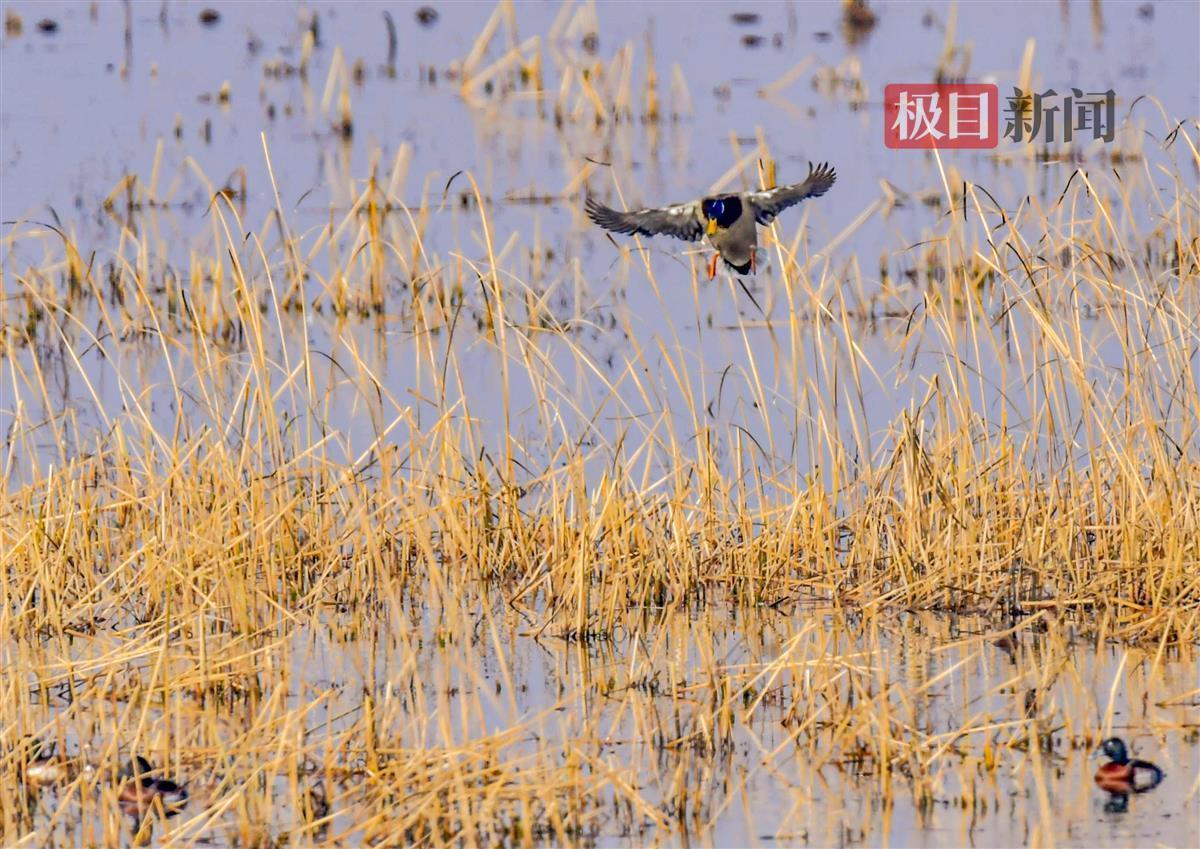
{"x":562,"y":581}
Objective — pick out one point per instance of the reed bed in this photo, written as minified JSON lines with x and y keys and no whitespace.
{"x":231,"y":545}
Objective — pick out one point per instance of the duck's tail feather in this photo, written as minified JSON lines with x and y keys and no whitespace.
{"x":1155,"y":778}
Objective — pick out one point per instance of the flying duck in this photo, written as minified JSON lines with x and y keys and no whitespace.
{"x":729,"y":221}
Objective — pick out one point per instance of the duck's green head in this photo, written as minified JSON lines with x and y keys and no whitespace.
{"x":1114,"y":748}
{"x":721,"y":212}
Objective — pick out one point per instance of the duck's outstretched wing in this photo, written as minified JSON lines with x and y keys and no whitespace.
{"x":683,"y":220}
{"x":768,"y":204}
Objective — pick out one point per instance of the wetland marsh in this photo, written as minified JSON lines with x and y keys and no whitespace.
{"x":359,"y":483}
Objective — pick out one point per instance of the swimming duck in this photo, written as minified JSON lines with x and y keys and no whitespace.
{"x":729,"y":221}
{"x":141,"y":791}
{"x":44,"y":767}
{"x":1123,"y":775}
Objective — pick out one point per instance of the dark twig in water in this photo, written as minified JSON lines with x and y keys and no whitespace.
{"x":392,"y":41}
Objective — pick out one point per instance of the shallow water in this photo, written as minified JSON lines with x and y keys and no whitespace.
{"x":657,"y":359}
{"x":738,"y":706}
{"x":759,"y":789}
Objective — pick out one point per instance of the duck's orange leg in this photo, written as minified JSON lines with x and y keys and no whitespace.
{"x":712,"y":266}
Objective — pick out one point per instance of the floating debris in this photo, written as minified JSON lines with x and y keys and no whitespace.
{"x":345,"y":124}
{"x":745,"y":18}
{"x":315,"y":803}
{"x":47,"y":26}
{"x":857,"y":21}
{"x":278,"y":68}
{"x":210,"y":17}
{"x":751,"y":40}
{"x":1146,"y":11}
{"x":427,"y":16}
{"x":12,"y":24}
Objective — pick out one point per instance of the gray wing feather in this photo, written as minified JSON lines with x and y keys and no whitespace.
{"x":770,"y":203}
{"x":680,"y":220}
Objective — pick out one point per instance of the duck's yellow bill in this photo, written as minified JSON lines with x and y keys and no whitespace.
{"x":712,"y":226}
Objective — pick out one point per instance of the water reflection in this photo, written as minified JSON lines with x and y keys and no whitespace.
{"x":717,"y":728}
{"x":375,"y":221}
